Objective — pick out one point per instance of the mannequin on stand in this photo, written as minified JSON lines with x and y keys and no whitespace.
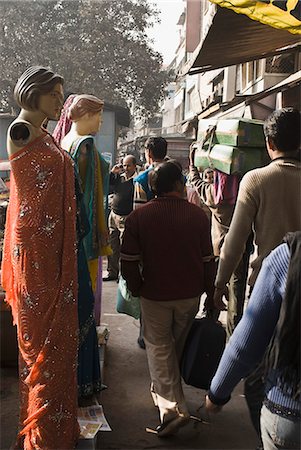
{"x":89,"y":201}
{"x":39,"y":267}
{"x":85,"y":116}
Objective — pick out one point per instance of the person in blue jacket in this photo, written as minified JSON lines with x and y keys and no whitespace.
{"x":269,"y":332}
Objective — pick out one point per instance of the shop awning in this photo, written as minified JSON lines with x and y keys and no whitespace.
{"x":282,"y":14}
{"x":234,"y":38}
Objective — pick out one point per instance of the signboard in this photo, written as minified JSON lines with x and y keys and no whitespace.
{"x":283,"y":14}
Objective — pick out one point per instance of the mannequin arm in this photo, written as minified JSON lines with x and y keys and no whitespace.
{"x":20,"y":134}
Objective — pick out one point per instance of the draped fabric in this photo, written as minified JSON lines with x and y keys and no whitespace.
{"x":94,"y":174}
{"x":64,"y":124}
{"x":39,"y":275}
{"x":225,"y":187}
{"x":88,"y":371}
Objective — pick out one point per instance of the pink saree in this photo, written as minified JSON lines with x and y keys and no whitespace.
{"x":39,"y":275}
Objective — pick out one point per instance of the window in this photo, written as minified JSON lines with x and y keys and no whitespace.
{"x":248,"y":73}
{"x":189,"y":100}
{"x":259,"y":68}
{"x":280,"y":64}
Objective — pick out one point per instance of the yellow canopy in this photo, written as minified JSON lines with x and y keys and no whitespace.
{"x":284,"y":14}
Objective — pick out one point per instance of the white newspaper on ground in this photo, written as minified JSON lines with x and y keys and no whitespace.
{"x":91,"y":420}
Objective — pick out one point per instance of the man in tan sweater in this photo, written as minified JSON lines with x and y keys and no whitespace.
{"x":268,"y":204}
{"x":268,"y":200}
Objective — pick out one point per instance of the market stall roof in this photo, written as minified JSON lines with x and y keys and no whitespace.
{"x":233,"y":39}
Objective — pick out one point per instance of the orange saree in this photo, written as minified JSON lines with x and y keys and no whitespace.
{"x":39,"y":275}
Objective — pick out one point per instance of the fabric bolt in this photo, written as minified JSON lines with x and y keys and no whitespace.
{"x":39,"y":275}
{"x":252,"y":336}
{"x":166,"y":326}
{"x":268,"y":203}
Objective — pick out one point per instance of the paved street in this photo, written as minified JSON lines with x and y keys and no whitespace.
{"x":129,"y":408}
{"x":127,"y":402}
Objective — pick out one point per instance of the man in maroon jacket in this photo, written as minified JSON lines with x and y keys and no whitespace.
{"x":169,"y":239}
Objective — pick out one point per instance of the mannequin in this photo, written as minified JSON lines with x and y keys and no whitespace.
{"x":89,"y":379}
{"x":39,"y":271}
{"x":85,"y":114}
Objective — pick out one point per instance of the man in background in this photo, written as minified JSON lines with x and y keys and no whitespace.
{"x":221,"y":204}
{"x":122,"y":187}
{"x":170,"y":238}
{"x":155,"y":152}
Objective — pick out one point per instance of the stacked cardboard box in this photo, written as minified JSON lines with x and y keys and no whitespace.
{"x":232,"y":145}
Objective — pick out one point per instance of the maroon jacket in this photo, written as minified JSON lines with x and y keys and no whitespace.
{"x":171,"y":239}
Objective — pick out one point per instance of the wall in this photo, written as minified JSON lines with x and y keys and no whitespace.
{"x":193,"y":21}
{"x":4,"y":124}
{"x":107,"y":137}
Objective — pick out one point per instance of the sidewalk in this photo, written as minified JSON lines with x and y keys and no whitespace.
{"x":129,"y":409}
{"x":127,"y":403}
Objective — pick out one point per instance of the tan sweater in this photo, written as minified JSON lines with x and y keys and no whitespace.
{"x":269,"y":203}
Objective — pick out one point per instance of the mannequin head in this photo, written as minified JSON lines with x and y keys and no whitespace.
{"x":86,"y":111}
{"x":40,"y":89}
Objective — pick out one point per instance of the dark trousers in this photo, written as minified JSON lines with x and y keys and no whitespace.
{"x":254,"y":394}
{"x":116,"y":230}
{"x":237,"y":294}
{"x":237,"y":290}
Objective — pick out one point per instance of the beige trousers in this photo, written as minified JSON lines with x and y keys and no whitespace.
{"x":166,"y":325}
